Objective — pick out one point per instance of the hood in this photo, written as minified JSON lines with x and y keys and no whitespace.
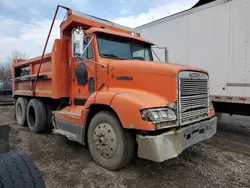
{"x":149,"y":67}
{"x":151,"y":78}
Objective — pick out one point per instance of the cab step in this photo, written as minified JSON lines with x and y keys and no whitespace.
{"x":72,"y":131}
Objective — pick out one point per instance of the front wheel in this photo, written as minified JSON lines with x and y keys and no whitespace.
{"x":110,"y":145}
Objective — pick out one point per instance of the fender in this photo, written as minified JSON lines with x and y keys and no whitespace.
{"x":101,"y":97}
{"x":127,"y":105}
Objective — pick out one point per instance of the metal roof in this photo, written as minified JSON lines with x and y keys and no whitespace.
{"x":202,"y":2}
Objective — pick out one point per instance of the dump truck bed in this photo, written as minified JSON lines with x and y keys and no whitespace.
{"x":53,"y":79}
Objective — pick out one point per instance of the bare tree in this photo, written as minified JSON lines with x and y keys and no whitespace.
{"x":5,"y":69}
{"x":15,"y":54}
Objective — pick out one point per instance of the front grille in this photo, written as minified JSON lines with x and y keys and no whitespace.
{"x":193,"y":96}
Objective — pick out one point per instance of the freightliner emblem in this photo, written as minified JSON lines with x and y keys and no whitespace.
{"x":194,"y":75}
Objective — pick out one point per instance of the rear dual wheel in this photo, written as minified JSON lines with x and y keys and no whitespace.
{"x":35,"y":113}
{"x":21,"y":111}
{"x":36,"y":116}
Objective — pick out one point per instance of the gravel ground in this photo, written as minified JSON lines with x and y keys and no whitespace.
{"x":222,"y":161}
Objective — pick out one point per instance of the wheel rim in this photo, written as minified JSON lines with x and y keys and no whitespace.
{"x":105,"y":140}
{"x":19,"y":112}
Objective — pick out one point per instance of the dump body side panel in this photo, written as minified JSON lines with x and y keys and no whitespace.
{"x":60,"y":69}
{"x":53,"y":79}
{"x":24,"y":75}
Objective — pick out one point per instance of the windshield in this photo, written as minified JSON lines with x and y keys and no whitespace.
{"x":116,"y":47}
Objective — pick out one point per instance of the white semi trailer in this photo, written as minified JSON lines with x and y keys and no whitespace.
{"x":215,"y":36}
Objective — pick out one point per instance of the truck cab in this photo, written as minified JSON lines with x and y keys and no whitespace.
{"x":100,"y":87}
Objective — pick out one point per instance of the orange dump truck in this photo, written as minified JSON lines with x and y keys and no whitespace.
{"x":100,"y":87}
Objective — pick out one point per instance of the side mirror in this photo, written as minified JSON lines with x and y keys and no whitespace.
{"x":160,"y":52}
{"x":77,"y":42}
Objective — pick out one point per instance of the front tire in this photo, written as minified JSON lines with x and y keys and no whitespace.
{"x":110,"y":145}
{"x":36,"y":116}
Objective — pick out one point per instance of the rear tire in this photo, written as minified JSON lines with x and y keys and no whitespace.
{"x":36,"y":116}
{"x":49,"y":125}
{"x":18,"y":170}
{"x":21,"y":111}
{"x":110,"y":145}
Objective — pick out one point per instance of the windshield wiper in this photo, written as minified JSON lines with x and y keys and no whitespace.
{"x":111,"y":56}
{"x":139,"y":58}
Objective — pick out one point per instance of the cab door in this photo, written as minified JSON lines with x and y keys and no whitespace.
{"x":85,"y":74}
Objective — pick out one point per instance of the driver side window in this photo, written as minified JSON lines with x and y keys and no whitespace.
{"x":141,"y":54}
{"x":88,"y":54}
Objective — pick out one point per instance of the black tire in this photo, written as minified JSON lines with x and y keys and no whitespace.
{"x":49,"y":125}
{"x":18,"y":170}
{"x":125,"y":142}
{"x":4,"y":138}
{"x":15,"y":99}
{"x":21,"y":111}
{"x":36,"y":116}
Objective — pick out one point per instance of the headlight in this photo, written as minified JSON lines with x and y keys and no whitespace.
{"x":158,"y":115}
{"x":212,"y":112}
{"x":211,"y":105}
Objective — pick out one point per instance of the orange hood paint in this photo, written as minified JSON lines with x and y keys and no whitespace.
{"x":152,"y":77}
{"x":153,"y":67}
{"x":153,"y":84}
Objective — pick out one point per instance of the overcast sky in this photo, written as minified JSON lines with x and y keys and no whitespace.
{"x":25,"y":23}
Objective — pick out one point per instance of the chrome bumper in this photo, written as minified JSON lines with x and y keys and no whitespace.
{"x":170,"y":144}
